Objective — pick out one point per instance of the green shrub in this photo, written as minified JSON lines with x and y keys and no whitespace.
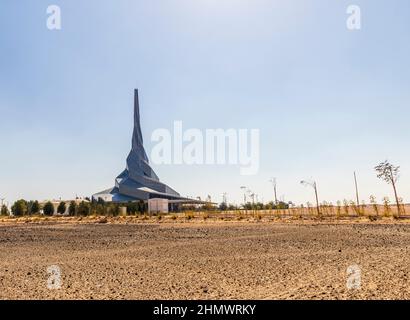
{"x":33,"y":207}
{"x":338,"y":208}
{"x":72,"y":208}
{"x":61,"y":208}
{"x":84,"y":209}
{"x":189,"y":215}
{"x":48,"y":209}
{"x":19,"y":208}
{"x":373,"y":203}
{"x":386,"y":206}
{"x":4,"y":210}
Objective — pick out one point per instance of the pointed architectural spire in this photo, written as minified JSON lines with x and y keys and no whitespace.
{"x":137,"y":140}
{"x":138,"y":181}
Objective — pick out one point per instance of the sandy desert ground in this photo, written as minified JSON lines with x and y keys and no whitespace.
{"x":205,"y":260}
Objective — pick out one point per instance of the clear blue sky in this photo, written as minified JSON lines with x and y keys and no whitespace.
{"x":327,"y":100}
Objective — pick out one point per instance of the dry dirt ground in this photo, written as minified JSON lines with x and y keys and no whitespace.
{"x":205,"y":260}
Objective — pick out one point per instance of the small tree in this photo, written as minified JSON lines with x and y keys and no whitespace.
{"x":346,"y":207}
{"x":61,"y":208}
{"x":29,"y":206}
{"x":133,"y":208}
{"x":113,"y":209}
{"x":99,"y":210}
{"x":389,"y":173}
{"x":48,"y":209}
{"x":363,"y":207}
{"x":19,"y":208}
{"x":374,"y":204}
{"x":143,"y":207}
{"x":4,"y":210}
{"x":35,"y":207}
{"x":402,"y":205}
{"x":355,"y":207}
{"x":386,"y":206}
{"x":72,"y":208}
{"x":83,"y":208}
{"x":338,"y":208}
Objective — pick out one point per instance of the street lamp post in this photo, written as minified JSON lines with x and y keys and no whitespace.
{"x":244,"y":195}
{"x":273,"y":181}
{"x":224,"y":199}
{"x":314,"y":186}
{"x":357,"y":189}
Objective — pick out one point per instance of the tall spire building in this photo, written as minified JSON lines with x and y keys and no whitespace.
{"x":138,"y":181}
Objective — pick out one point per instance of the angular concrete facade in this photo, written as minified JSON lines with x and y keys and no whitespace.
{"x":138,"y":181}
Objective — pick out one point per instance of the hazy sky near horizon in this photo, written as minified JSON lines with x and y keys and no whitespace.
{"x":327,"y":100}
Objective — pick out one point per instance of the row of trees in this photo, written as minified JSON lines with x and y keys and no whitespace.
{"x":385,"y":171}
{"x":84,"y":208}
{"x":280,"y":205}
{"x":22,"y":208}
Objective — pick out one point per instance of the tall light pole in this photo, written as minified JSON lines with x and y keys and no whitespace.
{"x":357,"y":189}
{"x":273,"y":181}
{"x":224,"y":198}
{"x":244,"y":194}
{"x":253,"y":198}
{"x":251,"y":195}
{"x":314,"y":186}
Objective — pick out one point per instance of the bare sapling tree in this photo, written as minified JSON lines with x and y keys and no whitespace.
{"x":389,"y":173}
{"x":314,"y":186}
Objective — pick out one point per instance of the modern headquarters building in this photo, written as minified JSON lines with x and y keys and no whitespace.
{"x":138,"y":181}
